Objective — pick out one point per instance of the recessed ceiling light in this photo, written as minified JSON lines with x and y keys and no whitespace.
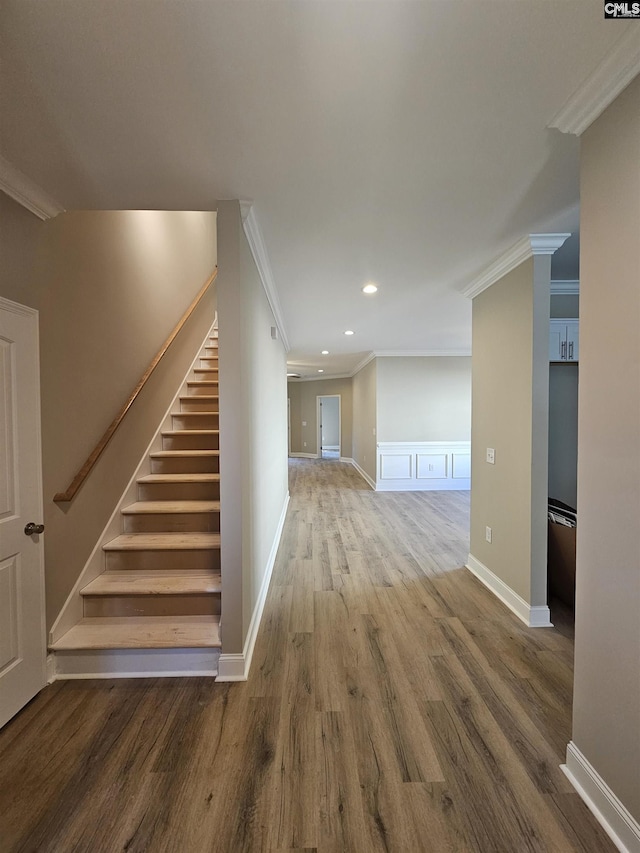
{"x":349,"y":332}
{"x":321,"y":370}
{"x":369,"y":288}
{"x":325,"y":352}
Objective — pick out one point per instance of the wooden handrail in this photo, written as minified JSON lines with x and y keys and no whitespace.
{"x":81,"y":476}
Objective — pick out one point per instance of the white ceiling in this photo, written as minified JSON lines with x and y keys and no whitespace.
{"x":400,"y":142}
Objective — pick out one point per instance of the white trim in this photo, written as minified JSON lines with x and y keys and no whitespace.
{"x":464,"y":352}
{"x":17,"y":308}
{"x":51,"y":668}
{"x":533,"y":617}
{"x":423,"y":353}
{"x":136,"y":663}
{"x":260,"y":256}
{"x":72,"y":610}
{"x":319,"y":443}
{"x":429,"y":466}
{"x":361,"y":364}
{"x":534,"y":244}
{"x":361,"y":471}
{"x":602,"y":86}
{"x":565,"y":288}
{"x":235,"y":667}
{"x":295,"y":455}
{"x":612,"y":815}
{"x":27,"y":193}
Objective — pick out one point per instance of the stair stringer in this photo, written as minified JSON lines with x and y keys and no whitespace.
{"x":73,"y":608}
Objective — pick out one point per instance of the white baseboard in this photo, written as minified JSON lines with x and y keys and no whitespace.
{"x":616,"y":820}
{"x":235,"y":667}
{"x":533,"y":617}
{"x":439,"y":485}
{"x":361,"y":471}
{"x":303,"y":455}
{"x":134,"y":663}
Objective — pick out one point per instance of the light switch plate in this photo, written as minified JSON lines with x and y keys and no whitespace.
{"x":491,"y":456}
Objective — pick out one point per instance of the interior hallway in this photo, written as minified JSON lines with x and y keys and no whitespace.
{"x":393,"y":705}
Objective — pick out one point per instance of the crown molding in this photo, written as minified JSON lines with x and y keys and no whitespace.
{"x":422,"y":353}
{"x":565,"y":288}
{"x":534,"y":244}
{"x":320,"y":378}
{"x":28,"y":194}
{"x":260,"y":256}
{"x":602,"y":86}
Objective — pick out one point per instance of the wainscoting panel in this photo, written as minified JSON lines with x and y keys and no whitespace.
{"x":423,"y":466}
{"x":396,"y":466}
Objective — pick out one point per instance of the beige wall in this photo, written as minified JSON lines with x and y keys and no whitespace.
{"x":424,"y":399}
{"x":253,"y":428}
{"x":20,"y":235}
{"x":501,"y":418}
{"x":109,"y":286}
{"x":303,"y":402}
{"x":606,"y":707}
{"x":365,"y":418}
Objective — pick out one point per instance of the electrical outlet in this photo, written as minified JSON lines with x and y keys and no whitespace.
{"x":488,"y":534}
{"x":304,"y":443}
{"x":491,"y":456}
{"x":304,"y":423}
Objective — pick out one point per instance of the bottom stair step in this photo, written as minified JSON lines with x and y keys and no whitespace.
{"x":145,"y":632}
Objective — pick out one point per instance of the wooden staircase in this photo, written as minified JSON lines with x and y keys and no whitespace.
{"x":161,"y":585}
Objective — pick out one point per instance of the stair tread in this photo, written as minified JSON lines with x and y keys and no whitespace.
{"x":182,"y":454}
{"x":171,"y":432}
{"x":205,"y":370}
{"x":142,"y":632}
{"x":179,"y":478}
{"x":170,"y":507}
{"x":189,"y":398}
{"x":193,"y":414}
{"x":166,"y":582}
{"x":180,"y":541}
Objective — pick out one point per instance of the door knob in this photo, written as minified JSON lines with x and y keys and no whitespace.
{"x":32,"y":528}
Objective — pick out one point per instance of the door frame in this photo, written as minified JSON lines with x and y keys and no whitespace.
{"x":320,"y":397}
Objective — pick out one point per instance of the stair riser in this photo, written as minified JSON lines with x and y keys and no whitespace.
{"x":179,"y":491}
{"x":209,"y":362}
{"x":199,"y":390}
{"x":205,"y":604}
{"x":195,"y":421}
{"x":190,"y":442}
{"x":195,"y":405}
{"x":179,"y":522}
{"x":160,"y":560}
{"x":186,"y":465}
{"x":211,"y":352}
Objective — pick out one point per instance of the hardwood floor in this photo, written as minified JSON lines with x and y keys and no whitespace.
{"x":393,"y":705}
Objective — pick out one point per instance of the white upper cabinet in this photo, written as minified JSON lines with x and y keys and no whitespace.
{"x":563,"y":340}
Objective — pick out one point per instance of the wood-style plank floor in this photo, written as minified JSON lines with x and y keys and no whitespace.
{"x":393,"y":705}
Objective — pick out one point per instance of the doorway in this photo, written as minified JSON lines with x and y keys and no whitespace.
{"x":329,"y":426}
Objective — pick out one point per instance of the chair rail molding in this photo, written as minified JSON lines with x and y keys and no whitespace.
{"x":26,"y":192}
{"x":602,"y":86}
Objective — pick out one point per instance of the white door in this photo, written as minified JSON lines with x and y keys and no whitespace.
{"x":22,"y":618}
